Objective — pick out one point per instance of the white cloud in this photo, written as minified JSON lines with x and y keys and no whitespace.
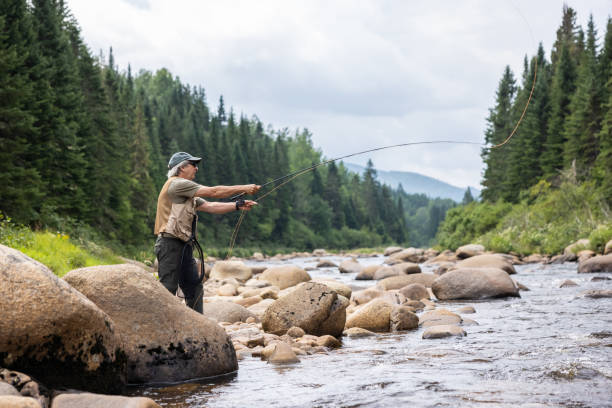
{"x":358,"y":74}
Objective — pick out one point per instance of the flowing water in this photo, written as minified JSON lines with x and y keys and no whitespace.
{"x":549,"y":348}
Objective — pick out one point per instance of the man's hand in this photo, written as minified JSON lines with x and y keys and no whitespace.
{"x":252,"y":189}
{"x":247,"y":205}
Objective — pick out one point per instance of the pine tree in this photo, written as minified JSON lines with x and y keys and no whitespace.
{"x":499,"y":126}
{"x":467,"y":197}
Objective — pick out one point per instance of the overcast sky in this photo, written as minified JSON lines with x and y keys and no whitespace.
{"x":357,"y":74}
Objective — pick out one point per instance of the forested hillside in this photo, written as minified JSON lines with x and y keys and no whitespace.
{"x":552,"y":184}
{"x":85,"y":147}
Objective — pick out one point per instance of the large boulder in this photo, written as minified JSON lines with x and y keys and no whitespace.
{"x":468,"y":251}
{"x":53,"y":332}
{"x":165,"y":341}
{"x":231,"y":269}
{"x":398,"y":282}
{"x":285,"y":276}
{"x":313,"y":306}
{"x":474,"y":283}
{"x":577,"y":246}
{"x":486,"y":261}
{"x":374,"y":316}
{"x":350,"y":266}
{"x":602,"y":263}
{"x":231,"y":312}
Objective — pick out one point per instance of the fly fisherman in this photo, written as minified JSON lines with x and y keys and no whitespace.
{"x":175,"y":224}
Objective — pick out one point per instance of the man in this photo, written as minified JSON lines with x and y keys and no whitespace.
{"x":175,"y":224}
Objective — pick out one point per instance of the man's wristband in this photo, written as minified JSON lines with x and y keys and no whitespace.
{"x":239,"y":203}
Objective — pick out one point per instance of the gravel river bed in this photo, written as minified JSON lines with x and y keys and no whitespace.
{"x":551,"y":347}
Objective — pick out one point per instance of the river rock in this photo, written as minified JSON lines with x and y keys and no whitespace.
{"x":596,"y":294}
{"x":249,"y":301}
{"x":24,"y":385}
{"x":8,"y":389}
{"x":14,"y":401}
{"x":350,"y":266}
{"x":227,"y":289}
{"x":385,"y":272}
{"x":562,"y":258}
{"x":312,"y":306}
{"x":295,"y":332}
{"x":447,"y":330}
{"x":319,"y":252}
{"x":415,"y":291}
{"x":407,"y":255}
{"x":357,"y":332}
{"x":374,"y":316}
{"x":487,"y":261}
{"x":393,"y":297}
{"x":80,"y":400}
{"x":164,"y":340}
{"x":608,"y":248}
{"x":439,"y":317}
{"x":368,"y":272}
{"x":231,"y":269}
{"x":467,"y":251}
{"x":474,"y":283}
{"x":403,"y":318}
{"x":407,"y":268}
{"x":326,"y":263}
{"x":398,"y":282}
{"x":466,"y":310}
{"x":259,"y":308}
{"x":53,"y":332}
{"x":361,"y":297}
{"x":391,"y":250}
{"x":602,"y":263}
{"x":445,"y":256}
{"x":283,"y":354}
{"x":534,"y":258}
{"x":577,"y":246}
{"x":585,"y":254}
{"x":329,"y":342}
{"x":339,"y":287}
{"x":568,"y":283}
{"x":230,"y":312}
{"x":285,"y":276}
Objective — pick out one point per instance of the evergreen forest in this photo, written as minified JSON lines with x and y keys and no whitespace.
{"x":552,"y":184}
{"x":85,"y":148}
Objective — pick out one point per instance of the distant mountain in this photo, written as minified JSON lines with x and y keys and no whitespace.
{"x":417,"y":183}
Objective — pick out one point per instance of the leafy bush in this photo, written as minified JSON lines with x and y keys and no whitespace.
{"x":600,"y":237}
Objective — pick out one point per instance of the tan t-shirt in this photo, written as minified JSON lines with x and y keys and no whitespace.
{"x":176,"y":190}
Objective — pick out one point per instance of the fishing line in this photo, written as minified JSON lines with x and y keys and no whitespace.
{"x":291,"y":176}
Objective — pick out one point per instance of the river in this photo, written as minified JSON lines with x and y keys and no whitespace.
{"x":549,"y":348}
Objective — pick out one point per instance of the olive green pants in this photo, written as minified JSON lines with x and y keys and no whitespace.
{"x":170,"y":252}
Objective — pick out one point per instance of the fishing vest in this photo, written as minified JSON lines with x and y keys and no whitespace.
{"x":174,"y":218}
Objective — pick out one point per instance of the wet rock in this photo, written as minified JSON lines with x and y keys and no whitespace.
{"x":415,"y":304}
{"x":339,"y":287}
{"x":14,"y":401}
{"x":535,"y":258}
{"x":469,"y":322}
{"x":466,"y":310}
{"x":602,"y":263}
{"x":283,"y":354}
{"x":164,"y":340}
{"x":367,"y":273}
{"x":231,"y":269}
{"x":364,"y":296}
{"x":398,"y":282}
{"x":403,"y":318}
{"x":568,"y":283}
{"x":521,"y":286}
{"x":474,"y":283}
{"x":53,"y":332}
{"x":391,"y":250}
{"x":357,"y":332}
{"x":326,"y":263}
{"x":312,"y":306}
{"x":415,"y":255}
{"x":329,"y":342}
{"x":439,"y":332}
{"x":227,"y":312}
{"x":296,"y":332}
{"x":596,"y":294}
{"x":373,"y":316}
{"x":385,"y":272}
{"x":576,"y":246}
{"x":439,"y":317}
{"x":285,"y":276}
{"x":467,"y":251}
{"x":415,"y":291}
{"x":487,"y":261}
{"x":350,"y":266}
{"x":599,"y":278}
{"x":560,"y":259}
{"x":79,"y":400}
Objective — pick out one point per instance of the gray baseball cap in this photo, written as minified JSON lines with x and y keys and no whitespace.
{"x":180,"y":157}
